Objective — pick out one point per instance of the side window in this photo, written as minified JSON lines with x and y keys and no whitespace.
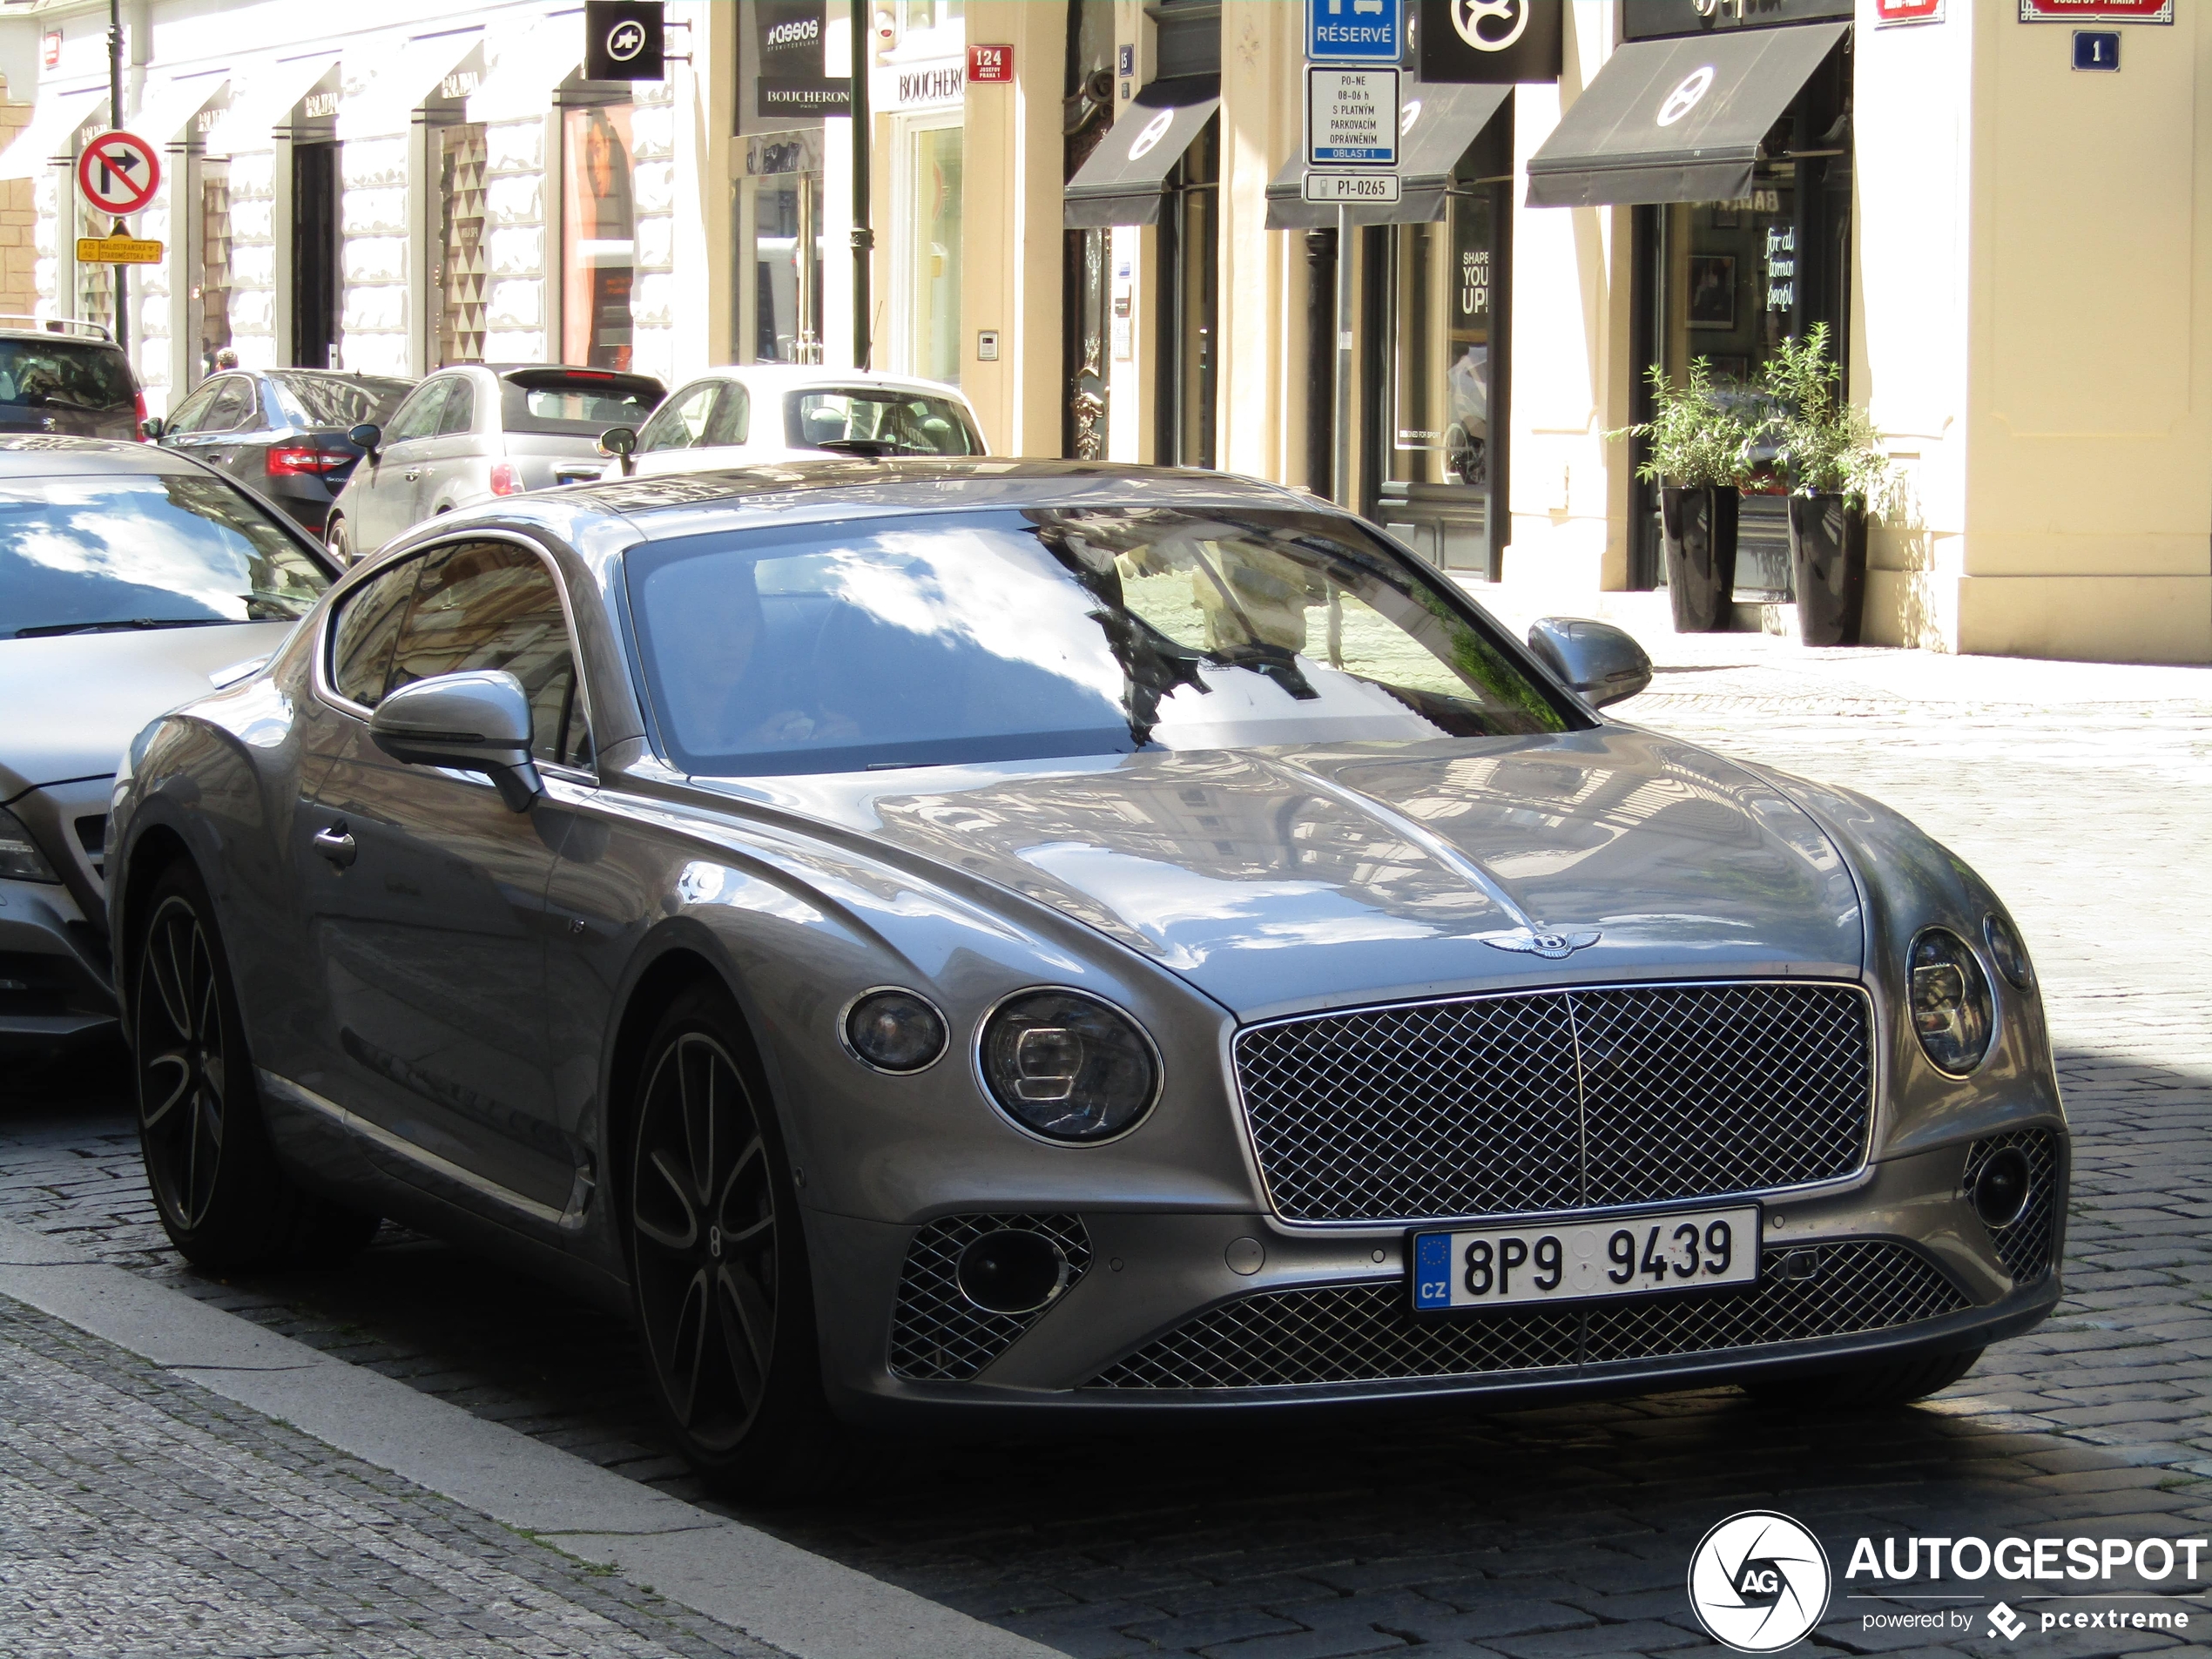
{"x":193,"y":410}
{"x":233,"y":407}
{"x":458,"y":413}
{"x":418,"y":417}
{"x":679,"y":422}
{"x":488,"y":604}
{"x":360,"y":640}
{"x":732,"y":418}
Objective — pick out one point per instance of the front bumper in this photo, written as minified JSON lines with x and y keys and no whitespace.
{"x":55,"y":991}
{"x":1157,"y":1317}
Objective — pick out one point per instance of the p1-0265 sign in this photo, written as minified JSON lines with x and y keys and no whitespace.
{"x":2096,"y":11}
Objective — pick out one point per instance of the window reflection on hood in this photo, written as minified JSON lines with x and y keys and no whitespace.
{"x":1051,"y":633}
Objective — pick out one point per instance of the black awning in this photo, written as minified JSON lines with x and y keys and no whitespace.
{"x":1440,"y":125}
{"x":1124,"y":179}
{"x":1677,"y":120}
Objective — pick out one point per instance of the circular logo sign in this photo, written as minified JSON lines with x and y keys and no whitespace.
{"x":118,"y":173}
{"x":625,"y":40}
{"x":1155,"y":129}
{"x":1687,"y":97}
{"x":1758,"y":1582}
{"x":1470,"y":19}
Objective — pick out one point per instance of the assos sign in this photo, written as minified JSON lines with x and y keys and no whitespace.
{"x":1364,"y":31}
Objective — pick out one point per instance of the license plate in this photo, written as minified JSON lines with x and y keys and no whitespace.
{"x":1585,"y":1261}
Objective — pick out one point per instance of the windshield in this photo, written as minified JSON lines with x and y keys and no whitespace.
{"x":77,"y":555}
{"x":64,"y":373}
{"x":902,"y":423}
{"x":1055,"y":633}
{"x":327,"y":400}
{"x":548,"y":402}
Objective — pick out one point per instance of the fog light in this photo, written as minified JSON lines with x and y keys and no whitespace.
{"x":2001,"y":1188}
{"x":1012,"y":1271}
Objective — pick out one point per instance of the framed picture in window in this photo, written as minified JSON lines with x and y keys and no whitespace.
{"x":1712,"y":291}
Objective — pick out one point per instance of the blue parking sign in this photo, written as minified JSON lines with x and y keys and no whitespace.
{"x":1354,"y":31}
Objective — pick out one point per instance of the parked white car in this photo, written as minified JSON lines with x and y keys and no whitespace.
{"x":758,"y":413}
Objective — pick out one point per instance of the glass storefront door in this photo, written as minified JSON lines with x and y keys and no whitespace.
{"x":599,"y":231}
{"x":930,"y":249}
{"x":778,"y":276}
{"x":214,"y":265}
{"x":1189,"y":242}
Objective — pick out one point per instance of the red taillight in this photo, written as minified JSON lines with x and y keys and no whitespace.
{"x":505,"y":481}
{"x":139,"y":399}
{"x":291,"y":459}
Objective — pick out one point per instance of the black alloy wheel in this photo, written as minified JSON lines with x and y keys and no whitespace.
{"x":717,"y":1262}
{"x":223,"y":1198}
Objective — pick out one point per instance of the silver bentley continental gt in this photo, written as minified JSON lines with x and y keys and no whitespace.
{"x":988,"y":939}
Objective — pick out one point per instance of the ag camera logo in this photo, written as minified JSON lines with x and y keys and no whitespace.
{"x":1759,"y":1581}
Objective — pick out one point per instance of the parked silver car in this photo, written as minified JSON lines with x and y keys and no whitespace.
{"x":1065,"y":941}
{"x":130,"y":580}
{"x":472,"y":434}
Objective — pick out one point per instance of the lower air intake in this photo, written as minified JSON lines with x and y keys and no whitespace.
{"x":938,"y":1335}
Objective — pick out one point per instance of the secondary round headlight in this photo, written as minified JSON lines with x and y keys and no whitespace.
{"x":1068,"y":1067}
{"x":1950,"y":1005}
{"x":895,"y":1030}
{"x":2010,"y":956}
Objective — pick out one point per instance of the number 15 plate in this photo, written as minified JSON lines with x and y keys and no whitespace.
{"x":1585,"y":1261}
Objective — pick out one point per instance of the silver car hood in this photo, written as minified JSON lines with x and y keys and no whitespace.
{"x":73,"y":701}
{"x":1295,"y":878}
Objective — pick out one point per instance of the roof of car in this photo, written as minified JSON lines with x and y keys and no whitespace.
{"x":799,"y":376}
{"x":34,"y":454}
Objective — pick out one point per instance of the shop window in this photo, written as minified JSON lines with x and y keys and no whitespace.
{"x":779,"y":214}
{"x":215,"y":262}
{"x":460,"y":277}
{"x":1190,"y":239}
{"x":599,"y":231}
{"x":315,"y":286}
{"x":933,"y":252}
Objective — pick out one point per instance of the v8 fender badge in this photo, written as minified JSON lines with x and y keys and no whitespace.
{"x":1759,"y":1581}
{"x":1552,"y":946}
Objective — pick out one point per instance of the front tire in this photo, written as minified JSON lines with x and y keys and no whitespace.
{"x":224,"y":1200}
{"x":1896,"y":1382}
{"x":719,"y":1265}
{"x":339,"y":540}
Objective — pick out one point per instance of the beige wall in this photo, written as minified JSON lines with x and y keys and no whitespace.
{"x":1260,"y":404}
{"x":18,"y":224}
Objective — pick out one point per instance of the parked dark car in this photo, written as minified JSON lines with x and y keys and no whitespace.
{"x":282,"y":431}
{"x":66,"y":377}
{"x":130,"y":581}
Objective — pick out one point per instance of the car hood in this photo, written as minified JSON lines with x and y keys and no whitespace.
{"x":1283,"y":878}
{"x":75,"y":700}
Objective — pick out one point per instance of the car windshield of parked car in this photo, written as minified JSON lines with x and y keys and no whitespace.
{"x":84,"y":555}
{"x":575,"y":402}
{"x":1045,"y":634}
{"x":902,"y":423}
{"x":64,"y":374}
{"x":340,"y":404}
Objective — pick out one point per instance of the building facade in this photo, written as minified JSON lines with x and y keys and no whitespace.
{"x":1086,"y":213}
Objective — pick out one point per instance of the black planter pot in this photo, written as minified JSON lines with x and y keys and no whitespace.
{"x":1828,"y":558}
{"x":1699,"y":529}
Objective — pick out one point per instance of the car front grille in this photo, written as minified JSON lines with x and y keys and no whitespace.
{"x":937,"y":1335}
{"x":1367,"y":1332}
{"x":2024,"y":1244}
{"x":1558,"y":1100}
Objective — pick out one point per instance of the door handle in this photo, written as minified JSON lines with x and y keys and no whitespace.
{"x":336,"y":844}
{"x":414,"y":473}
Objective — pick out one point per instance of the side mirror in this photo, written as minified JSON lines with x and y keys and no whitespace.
{"x":151,"y":428}
{"x":1596,"y":658}
{"x":620,"y":441}
{"x":478,"y":720}
{"x":368,"y":435}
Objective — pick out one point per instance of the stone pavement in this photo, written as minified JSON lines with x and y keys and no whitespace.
{"x":2083,"y":793}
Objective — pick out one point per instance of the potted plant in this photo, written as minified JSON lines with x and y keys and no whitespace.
{"x":1700,"y":458}
{"x":1831,"y":457}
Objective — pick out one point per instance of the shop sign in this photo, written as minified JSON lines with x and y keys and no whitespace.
{"x":1889,"y":11}
{"x":926,"y":84}
{"x":51,"y":40}
{"x":803,"y":100}
{"x":779,"y":52}
{"x":1359,"y":31}
{"x":1781,"y":267}
{"x":2096,"y":11}
{"x":1658,"y":19}
{"x":1490,"y":42}
{"x":624,"y":40}
{"x":990,"y":66}
{"x":1352,"y":117}
{"x":1475,"y":282}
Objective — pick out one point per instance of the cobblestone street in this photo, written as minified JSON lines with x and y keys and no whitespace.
{"x":2083,"y":793}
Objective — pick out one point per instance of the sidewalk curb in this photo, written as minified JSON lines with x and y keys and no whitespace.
{"x":805,"y":1604}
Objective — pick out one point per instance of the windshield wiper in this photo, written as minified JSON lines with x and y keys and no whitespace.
{"x":871,"y":449}
{"x":48,"y":400}
{"x":121,"y":625}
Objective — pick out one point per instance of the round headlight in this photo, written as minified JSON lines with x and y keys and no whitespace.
{"x":1068,"y":1067}
{"x":1950,"y":1006}
{"x":2010,"y":956}
{"x":895,"y":1030}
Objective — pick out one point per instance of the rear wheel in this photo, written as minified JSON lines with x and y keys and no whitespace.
{"x":718,"y":1265}
{"x":1896,"y":1382}
{"x":224,"y":1200}
{"x":338,"y":540}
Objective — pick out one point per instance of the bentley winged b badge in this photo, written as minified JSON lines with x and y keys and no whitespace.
{"x":1552,"y":946}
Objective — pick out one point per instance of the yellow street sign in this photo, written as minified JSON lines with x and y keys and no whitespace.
{"x":116,"y":250}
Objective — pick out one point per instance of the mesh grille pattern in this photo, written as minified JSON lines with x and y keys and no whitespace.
{"x":1367,"y":1333}
{"x":938,"y":1335}
{"x":2024,"y":1246}
{"x":1558,"y":1100}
